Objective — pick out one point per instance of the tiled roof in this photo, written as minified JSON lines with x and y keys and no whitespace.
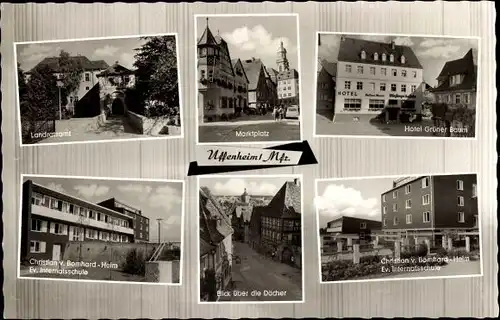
{"x":286,"y":202}
{"x":252,"y":69}
{"x":207,"y":38}
{"x":84,"y":62}
{"x":329,"y":67}
{"x":288,"y":74}
{"x":115,"y":69}
{"x":272,"y":73}
{"x":465,"y":66}
{"x":210,"y":211}
{"x":350,"y":51}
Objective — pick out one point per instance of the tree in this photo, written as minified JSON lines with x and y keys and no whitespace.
{"x":70,"y":73}
{"x":156,"y":74}
{"x":40,"y":101}
{"x":21,"y":82}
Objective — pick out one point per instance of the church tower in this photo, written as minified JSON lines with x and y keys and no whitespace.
{"x":245,"y":197}
{"x":282,"y":60}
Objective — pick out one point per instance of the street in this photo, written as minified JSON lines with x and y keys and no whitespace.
{"x":257,"y":273}
{"x":264,"y":130}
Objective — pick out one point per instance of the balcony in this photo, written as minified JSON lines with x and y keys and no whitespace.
{"x":71,"y":218}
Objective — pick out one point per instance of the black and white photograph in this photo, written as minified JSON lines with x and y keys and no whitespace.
{"x":396,"y":85}
{"x":101,"y":89}
{"x":250,"y":241}
{"x":96,"y":229}
{"x":247,"y":75}
{"x":399,"y":228}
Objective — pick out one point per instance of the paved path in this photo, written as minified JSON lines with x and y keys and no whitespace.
{"x":259,"y":273}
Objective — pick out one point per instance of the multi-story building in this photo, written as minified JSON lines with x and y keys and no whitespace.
{"x":258,"y":92}
{"x":457,"y":82}
{"x":347,"y":230}
{"x":288,"y":79}
{"x":140,"y":223}
{"x":89,"y":78}
{"x":375,"y":76}
{"x":240,"y":214}
{"x":216,"y":246}
{"x":51,"y":219}
{"x":216,"y":78}
{"x":240,"y":86}
{"x":280,"y":223}
{"x":325,"y":86}
{"x":272,"y":85}
{"x":425,"y":207}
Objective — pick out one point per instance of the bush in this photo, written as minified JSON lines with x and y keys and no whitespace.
{"x":135,"y":263}
{"x":439,"y":109}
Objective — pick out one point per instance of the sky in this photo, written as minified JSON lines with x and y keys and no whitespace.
{"x":109,"y":50}
{"x":154,"y":199}
{"x":350,"y":197}
{"x":235,"y":186}
{"x":255,"y":36}
{"x":432,"y":52}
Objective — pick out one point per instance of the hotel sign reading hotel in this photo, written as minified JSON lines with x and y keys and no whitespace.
{"x":347,"y":93}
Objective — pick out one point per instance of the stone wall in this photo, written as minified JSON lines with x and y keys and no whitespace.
{"x":152,"y":126}
{"x":163,"y":271}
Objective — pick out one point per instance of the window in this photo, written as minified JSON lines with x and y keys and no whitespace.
{"x":467,"y":98}
{"x":36,"y":199}
{"x":384,"y":56}
{"x":371,"y":86}
{"x":448,"y":98}
{"x":360,"y":69}
{"x":376,"y":105}
{"x":408,"y":189}
{"x":391,"y":58}
{"x":413,"y":88}
{"x":408,"y":204}
{"x":393,"y":88}
{"x":403,"y":73}
{"x":58,"y":228}
{"x":426,"y":217}
{"x":384,"y":209}
{"x":359,"y":85}
{"x":383,"y":71}
{"x":395,"y":221}
{"x":408,"y":218}
{"x":87,"y":77}
{"x":476,"y":221}
{"x":474,"y":190}
{"x":461,"y":217}
{"x":91,"y":234}
{"x":363,"y":54}
{"x":460,"y":200}
{"x":414,"y":74}
{"x":362,"y":225}
{"x":140,"y":234}
{"x":426,"y":199}
{"x":403,"y":60}
{"x":456,"y":80}
{"x":395,"y":207}
{"x":352,"y":104}
{"x":375,"y":56}
{"x":372,"y":70}
{"x":383,"y":198}
{"x":403,"y":88}
{"x":385,"y":222}
{"x":87,"y":88}
{"x":37,"y":247}
{"x":460,"y":185}
{"x":347,"y":85}
{"x":394,"y":194}
{"x":382,"y":87}
{"x":425,"y":182}
{"x":457,"y":98}
{"x":348,"y":68}
{"x":38,"y":225}
{"x":395,"y":72}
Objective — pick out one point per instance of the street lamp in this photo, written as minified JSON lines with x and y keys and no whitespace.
{"x":59,"y":86}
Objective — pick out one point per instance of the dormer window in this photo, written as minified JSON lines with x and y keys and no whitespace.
{"x":403,"y":59}
{"x":375,"y":56}
{"x":391,"y":58}
{"x":363,"y":54}
{"x":384,"y":57}
{"x":456,"y":79}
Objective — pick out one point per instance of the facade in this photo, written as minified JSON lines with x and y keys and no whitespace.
{"x":344,"y":231}
{"x":112,"y":85}
{"x":325,"y":85}
{"x":375,"y":76}
{"x":140,"y":223}
{"x":258,"y":92}
{"x":272,"y":82}
{"x":89,"y":79}
{"x":51,"y":219}
{"x":419,"y":208}
{"x":216,"y":246}
{"x":216,"y":78}
{"x":240,"y":214}
{"x":240,"y":86}
{"x":288,"y":79}
{"x":457,"y":82}
{"x":280,"y":224}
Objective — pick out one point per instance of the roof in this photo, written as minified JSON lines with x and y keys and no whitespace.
{"x":252,"y":69}
{"x":288,"y":74}
{"x":115,"y":69}
{"x":350,"y":51}
{"x":329,"y":67}
{"x":272,"y":73}
{"x":210,"y":211}
{"x":205,"y":247}
{"x":286,"y":202}
{"x":237,"y":61}
{"x":465,"y":66}
{"x":84,"y":62}
{"x":346,"y":217}
{"x":207,"y":38}
{"x":257,"y":212}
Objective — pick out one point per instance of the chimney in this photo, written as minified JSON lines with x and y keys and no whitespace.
{"x":393,"y":45}
{"x":296,"y":181}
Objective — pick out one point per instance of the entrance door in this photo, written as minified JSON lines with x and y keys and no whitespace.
{"x":117,"y":108}
{"x":56,"y":252}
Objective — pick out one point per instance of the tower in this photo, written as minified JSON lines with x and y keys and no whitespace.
{"x":282,"y":60}
{"x":245,"y":198}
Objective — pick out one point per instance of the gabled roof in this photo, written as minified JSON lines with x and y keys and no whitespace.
{"x":286,"y":202}
{"x":465,"y":66}
{"x":329,"y":67}
{"x":210,"y":212}
{"x":115,"y":69}
{"x":350,"y":51}
{"x":253,"y":69}
{"x":207,"y":38}
{"x":237,"y":61}
{"x":84,"y":62}
{"x":272,"y":73}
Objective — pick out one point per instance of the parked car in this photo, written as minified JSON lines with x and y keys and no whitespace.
{"x":292,"y":112}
